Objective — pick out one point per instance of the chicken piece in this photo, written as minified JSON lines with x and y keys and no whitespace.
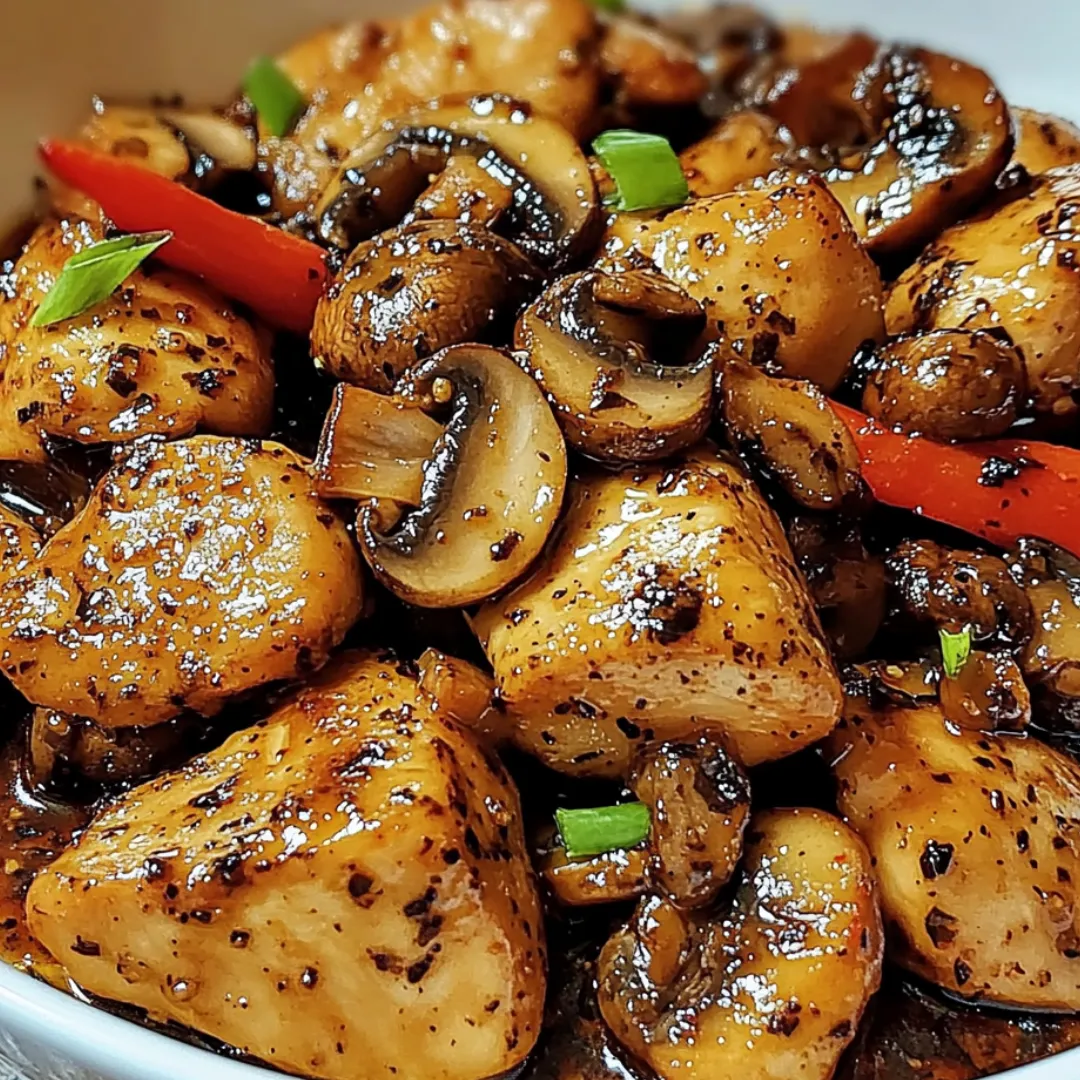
{"x":742,"y":147}
{"x":163,"y":355}
{"x":341,"y":890}
{"x":976,"y":841}
{"x":772,"y":987}
{"x":197,"y":569}
{"x":356,"y":76}
{"x":670,"y":603}
{"x":1013,"y":271}
{"x":780,"y":272}
{"x":19,"y":545}
{"x":1044,"y":141}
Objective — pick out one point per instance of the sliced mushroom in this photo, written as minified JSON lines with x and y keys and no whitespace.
{"x":786,"y":432}
{"x":845,"y":580}
{"x":743,"y":146}
{"x":907,"y":139}
{"x":700,"y":801}
{"x":773,"y":986}
{"x":463,"y":691}
{"x":492,"y":486}
{"x":780,"y":272}
{"x":947,"y":384}
{"x":1044,"y":141}
{"x":373,"y":447}
{"x":412,"y":291}
{"x":1012,"y":271}
{"x":594,"y":343}
{"x":976,"y":845}
{"x":552,"y":217}
{"x":952,"y":589}
{"x":588,"y":880}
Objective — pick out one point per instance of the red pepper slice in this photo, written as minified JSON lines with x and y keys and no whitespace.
{"x":1032,"y":489}
{"x":278,"y":275}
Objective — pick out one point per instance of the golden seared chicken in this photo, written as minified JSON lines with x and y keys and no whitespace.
{"x":976,"y":841}
{"x":1014,"y":271}
{"x":197,"y":569}
{"x":341,"y":890}
{"x":771,"y":988}
{"x":1044,"y":141}
{"x":355,"y":77}
{"x":780,"y":271}
{"x":669,"y":603}
{"x":163,"y":355}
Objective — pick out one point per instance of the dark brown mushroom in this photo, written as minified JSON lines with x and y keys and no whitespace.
{"x":846,"y":581}
{"x":947,"y":384}
{"x":699,"y":796}
{"x":952,"y":589}
{"x":412,"y":291}
{"x":907,"y":139}
{"x":786,"y":432}
{"x":593,"y":343}
{"x":553,"y":214}
{"x":988,"y":693}
{"x":492,"y":486}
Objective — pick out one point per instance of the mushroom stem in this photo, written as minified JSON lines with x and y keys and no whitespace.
{"x":373,"y":447}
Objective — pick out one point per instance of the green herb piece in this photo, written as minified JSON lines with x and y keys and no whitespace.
{"x":274,"y":95}
{"x":597,"y":829}
{"x":646,"y":172}
{"x":614,"y":6}
{"x":90,"y":275}
{"x":955,"y":650}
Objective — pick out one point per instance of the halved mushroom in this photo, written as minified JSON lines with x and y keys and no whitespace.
{"x":699,"y":796}
{"x":988,"y":693}
{"x":1012,"y":270}
{"x":491,"y":490}
{"x":947,"y":384}
{"x":1044,"y":141}
{"x":787,"y":433}
{"x":773,"y":986}
{"x":907,"y":139}
{"x":743,"y":146}
{"x":976,"y":845}
{"x":415,"y":290}
{"x":780,"y":272}
{"x":594,"y":343}
{"x":552,"y":217}
{"x":949,"y":589}
{"x":845,"y":580}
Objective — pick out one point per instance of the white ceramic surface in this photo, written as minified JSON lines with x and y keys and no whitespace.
{"x":55,"y":53}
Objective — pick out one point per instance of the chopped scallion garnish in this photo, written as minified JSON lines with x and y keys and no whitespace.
{"x":955,"y":650}
{"x":90,"y":275}
{"x":274,"y":95}
{"x":597,"y":829}
{"x":645,"y":169}
{"x":614,"y":6}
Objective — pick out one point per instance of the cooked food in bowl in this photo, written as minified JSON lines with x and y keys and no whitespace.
{"x":542,"y":541}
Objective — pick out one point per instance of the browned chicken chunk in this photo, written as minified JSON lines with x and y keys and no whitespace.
{"x":976,"y":840}
{"x":670,"y":603}
{"x":163,"y":355}
{"x":341,"y":890}
{"x":196,"y":570}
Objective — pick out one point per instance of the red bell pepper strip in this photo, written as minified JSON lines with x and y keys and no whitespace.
{"x":278,"y":275}
{"x":999,"y":490}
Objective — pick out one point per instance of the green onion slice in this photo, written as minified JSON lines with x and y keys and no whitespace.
{"x":614,"y":6}
{"x":646,"y":172}
{"x":90,"y":275}
{"x":274,"y":95}
{"x":955,"y":650}
{"x":597,"y":829}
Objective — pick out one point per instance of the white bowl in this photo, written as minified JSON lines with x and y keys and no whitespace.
{"x":55,"y":53}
